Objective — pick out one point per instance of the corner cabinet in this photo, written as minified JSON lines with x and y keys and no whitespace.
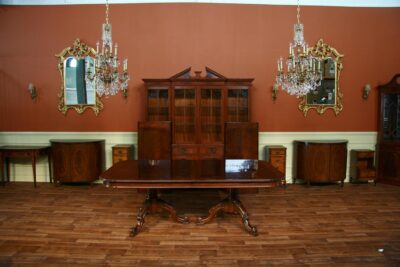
{"x":198,"y":107}
{"x":388,"y":145}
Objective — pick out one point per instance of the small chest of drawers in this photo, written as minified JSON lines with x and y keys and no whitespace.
{"x":276,"y":155}
{"x":362,"y":165}
{"x":122,"y":152}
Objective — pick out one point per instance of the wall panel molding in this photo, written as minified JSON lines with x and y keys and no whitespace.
{"x":21,"y":170}
{"x":344,"y":3}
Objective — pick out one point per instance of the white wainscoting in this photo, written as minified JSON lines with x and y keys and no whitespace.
{"x":21,"y":169}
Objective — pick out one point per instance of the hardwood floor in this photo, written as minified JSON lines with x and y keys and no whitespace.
{"x":89,"y":226}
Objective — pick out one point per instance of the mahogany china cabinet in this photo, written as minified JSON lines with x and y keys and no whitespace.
{"x":198,"y":107}
{"x":388,"y":145}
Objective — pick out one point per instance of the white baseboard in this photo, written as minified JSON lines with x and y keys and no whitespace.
{"x":21,"y":170}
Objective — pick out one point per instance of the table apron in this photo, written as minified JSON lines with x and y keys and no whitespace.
{"x":192,"y":185}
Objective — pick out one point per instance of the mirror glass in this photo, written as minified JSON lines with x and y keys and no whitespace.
{"x":75,"y":64}
{"x":78,"y":89}
{"x":327,"y":95}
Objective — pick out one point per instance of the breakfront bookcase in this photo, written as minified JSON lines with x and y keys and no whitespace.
{"x":198,"y":107}
{"x":388,"y":145}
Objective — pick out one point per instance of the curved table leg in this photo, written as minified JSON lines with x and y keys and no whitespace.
{"x":160,"y":204}
{"x":245,"y":217}
{"x":231,"y":204}
{"x":213,"y":211}
{"x":140,"y":221}
{"x":154,"y":204}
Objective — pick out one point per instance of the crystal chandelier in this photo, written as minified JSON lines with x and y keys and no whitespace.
{"x":106,"y":77}
{"x":303,"y":70}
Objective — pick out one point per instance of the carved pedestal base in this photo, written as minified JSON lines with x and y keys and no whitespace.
{"x":153,"y":204}
{"x":231,"y":204}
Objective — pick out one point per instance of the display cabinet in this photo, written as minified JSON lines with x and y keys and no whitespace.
{"x":388,"y":145}
{"x":198,"y":107}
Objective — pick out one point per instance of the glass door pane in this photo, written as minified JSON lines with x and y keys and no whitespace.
{"x":391,"y":116}
{"x":158,"y":104}
{"x":211,"y":115}
{"x":238,"y":104}
{"x":184,"y":115}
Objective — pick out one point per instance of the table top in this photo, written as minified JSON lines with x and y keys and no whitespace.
{"x":23,"y":147}
{"x":76,"y":141}
{"x":322,"y":141}
{"x":157,"y":174}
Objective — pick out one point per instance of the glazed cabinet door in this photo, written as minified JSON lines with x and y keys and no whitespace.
{"x":238,"y":104}
{"x":211,"y":115}
{"x":184,"y":123}
{"x":211,"y":123}
{"x":158,"y":103}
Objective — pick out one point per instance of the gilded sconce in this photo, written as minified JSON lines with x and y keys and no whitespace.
{"x":32,"y":91}
{"x":366,"y":91}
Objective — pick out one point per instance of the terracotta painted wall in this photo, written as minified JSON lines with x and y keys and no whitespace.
{"x":162,"y":39}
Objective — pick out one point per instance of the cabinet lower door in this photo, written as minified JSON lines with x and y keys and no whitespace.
{"x":389,"y":164}
{"x":338,"y":162}
{"x":61,"y":162}
{"x":85,"y":163}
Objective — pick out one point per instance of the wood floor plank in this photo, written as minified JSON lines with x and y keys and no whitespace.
{"x":357,"y":225}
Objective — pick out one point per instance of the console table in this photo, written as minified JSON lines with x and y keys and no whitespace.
{"x":32,"y":152}
{"x":320,"y":160}
{"x":195,"y":174}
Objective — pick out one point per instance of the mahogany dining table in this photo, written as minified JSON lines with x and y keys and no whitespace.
{"x":155,"y":175}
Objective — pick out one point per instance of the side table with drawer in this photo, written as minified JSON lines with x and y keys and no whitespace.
{"x":122,"y":152}
{"x":276,"y":155}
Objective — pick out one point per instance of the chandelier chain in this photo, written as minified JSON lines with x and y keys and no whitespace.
{"x":298,"y":11}
{"x":107,"y":12}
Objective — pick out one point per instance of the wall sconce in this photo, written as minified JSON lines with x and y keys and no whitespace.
{"x":32,"y":90}
{"x":366,"y":90}
{"x":275,"y":91}
{"x":125,"y":93}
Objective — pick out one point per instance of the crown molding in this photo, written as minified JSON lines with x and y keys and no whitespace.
{"x":343,"y":3}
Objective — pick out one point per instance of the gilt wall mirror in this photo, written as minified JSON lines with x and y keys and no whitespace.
{"x":75,"y":64}
{"x":327,"y":95}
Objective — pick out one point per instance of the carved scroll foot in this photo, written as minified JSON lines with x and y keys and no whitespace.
{"x":140,"y":222}
{"x":245,"y":218}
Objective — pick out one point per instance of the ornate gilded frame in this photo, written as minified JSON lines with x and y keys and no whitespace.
{"x":324,"y":51}
{"x":79,"y":50}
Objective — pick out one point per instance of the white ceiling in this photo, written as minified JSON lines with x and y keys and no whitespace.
{"x":346,"y":3}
